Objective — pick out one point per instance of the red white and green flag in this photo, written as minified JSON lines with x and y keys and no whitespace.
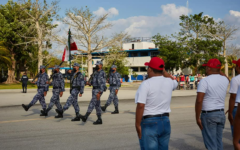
{"x":66,"y":54}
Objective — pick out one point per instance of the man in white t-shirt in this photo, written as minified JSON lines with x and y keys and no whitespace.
{"x":210,"y":105}
{"x":236,"y":136}
{"x":235,"y":83}
{"x":153,"y":99}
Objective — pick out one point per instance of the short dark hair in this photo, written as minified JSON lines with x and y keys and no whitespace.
{"x":157,"y":71}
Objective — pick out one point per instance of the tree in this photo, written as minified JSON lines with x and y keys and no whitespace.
{"x":87,"y":27}
{"x":172,"y":52}
{"x":135,"y":75}
{"x":223,"y":32}
{"x":119,"y":59}
{"x":10,"y":27}
{"x":4,"y":55}
{"x":195,"y":35}
{"x":40,"y":15}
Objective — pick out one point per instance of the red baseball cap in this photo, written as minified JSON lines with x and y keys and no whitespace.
{"x":213,"y":63}
{"x":156,"y":63}
{"x":237,"y":62}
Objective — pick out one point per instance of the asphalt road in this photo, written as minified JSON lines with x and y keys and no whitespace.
{"x":20,"y":130}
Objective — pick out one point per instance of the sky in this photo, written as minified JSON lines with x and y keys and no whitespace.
{"x":146,"y":18}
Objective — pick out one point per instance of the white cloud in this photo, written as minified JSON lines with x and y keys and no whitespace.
{"x":234,"y":13}
{"x":101,"y":11}
{"x":146,"y":26}
{"x":173,"y":11}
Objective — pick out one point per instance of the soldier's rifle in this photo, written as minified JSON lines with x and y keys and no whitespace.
{"x":40,"y":72}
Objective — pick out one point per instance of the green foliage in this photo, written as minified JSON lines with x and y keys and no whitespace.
{"x":135,"y":75}
{"x":172,"y":52}
{"x":4,"y":55}
{"x":118,"y":57}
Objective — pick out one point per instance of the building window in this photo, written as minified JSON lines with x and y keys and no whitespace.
{"x":143,"y":69}
{"x":135,"y":69}
{"x":144,"y":54}
{"x":132,"y":46}
{"x":154,"y":54}
{"x":134,"y":54}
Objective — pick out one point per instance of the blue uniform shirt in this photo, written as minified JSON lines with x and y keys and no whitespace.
{"x":42,"y":81}
{"x":99,"y":80}
{"x":115,"y":79}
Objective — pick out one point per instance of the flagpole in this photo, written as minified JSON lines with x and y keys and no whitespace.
{"x":69,"y":47}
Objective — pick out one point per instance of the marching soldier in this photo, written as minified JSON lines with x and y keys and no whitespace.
{"x":77,"y":87}
{"x":24,"y":81}
{"x":115,"y":84}
{"x":42,"y":84}
{"x":99,"y":86}
{"x":58,"y":89}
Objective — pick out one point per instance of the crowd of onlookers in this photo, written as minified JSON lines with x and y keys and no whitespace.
{"x":188,"y":82}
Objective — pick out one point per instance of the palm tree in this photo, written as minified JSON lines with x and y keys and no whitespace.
{"x":4,"y":54}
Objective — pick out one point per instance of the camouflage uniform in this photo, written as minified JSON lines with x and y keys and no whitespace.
{"x":78,"y":83}
{"x":58,"y":86}
{"x":99,"y":86}
{"x":42,"y":87}
{"x":115,"y":84}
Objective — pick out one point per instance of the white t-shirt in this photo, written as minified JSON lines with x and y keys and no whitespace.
{"x":238,"y":96}
{"x":235,"y":83}
{"x":156,"y":94}
{"x":215,"y":89}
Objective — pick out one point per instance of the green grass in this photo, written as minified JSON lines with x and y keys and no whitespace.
{"x":34,"y":86}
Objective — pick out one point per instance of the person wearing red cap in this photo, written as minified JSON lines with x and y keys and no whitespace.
{"x":210,"y":105}
{"x":236,"y":135}
{"x":153,"y":99}
{"x":235,"y":83}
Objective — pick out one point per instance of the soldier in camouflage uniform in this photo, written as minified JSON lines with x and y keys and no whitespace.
{"x":77,"y":86}
{"x":42,"y":84}
{"x":58,"y":89}
{"x":115,"y":84}
{"x":99,"y":86}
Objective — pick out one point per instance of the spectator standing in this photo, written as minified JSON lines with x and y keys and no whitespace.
{"x":191,"y":81}
{"x":182,"y":80}
{"x":236,"y":136}
{"x":196,"y":81}
{"x":24,"y":81}
{"x":234,"y":86}
{"x":187,"y":79}
{"x":210,"y":104}
{"x":153,"y":107}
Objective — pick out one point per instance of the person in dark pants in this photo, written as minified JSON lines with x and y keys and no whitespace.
{"x":24,"y":81}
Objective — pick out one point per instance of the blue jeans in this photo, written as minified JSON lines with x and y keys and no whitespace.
{"x":155,"y":133}
{"x":234,"y":114}
{"x":213,"y":125}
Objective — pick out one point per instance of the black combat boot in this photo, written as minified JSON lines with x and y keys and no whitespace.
{"x":44,"y":112}
{"x":104,"y":107}
{"x":60,"y":113}
{"x":115,"y":111}
{"x":77,"y":118}
{"x":99,"y":120}
{"x":84,"y":118}
{"x":26,"y":107}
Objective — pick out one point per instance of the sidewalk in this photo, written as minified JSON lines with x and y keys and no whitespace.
{"x":16,"y":98}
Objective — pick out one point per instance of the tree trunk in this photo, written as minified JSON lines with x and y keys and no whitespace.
{"x":39,"y":32}
{"x":11,"y":71}
{"x":233,"y":72}
{"x":90,"y":69}
{"x":225,"y":56}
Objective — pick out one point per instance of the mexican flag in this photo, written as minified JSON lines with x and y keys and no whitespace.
{"x":73,"y":47}
{"x":65,"y":56}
